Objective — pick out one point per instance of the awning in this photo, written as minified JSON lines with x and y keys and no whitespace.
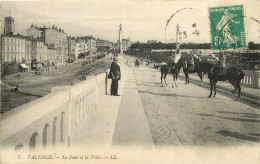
{"x":23,"y":65}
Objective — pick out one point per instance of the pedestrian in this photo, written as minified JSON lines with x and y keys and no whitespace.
{"x":115,"y":75}
{"x":16,"y":88}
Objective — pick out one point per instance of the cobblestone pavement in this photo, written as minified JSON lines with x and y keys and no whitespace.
{"x":184,"y":115}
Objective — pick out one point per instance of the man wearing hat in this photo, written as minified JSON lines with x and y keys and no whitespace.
{"x":116,"y":75}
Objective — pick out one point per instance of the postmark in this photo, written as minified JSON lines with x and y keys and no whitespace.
{"x":227,"y":27}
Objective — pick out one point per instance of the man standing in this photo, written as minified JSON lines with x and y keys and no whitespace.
{"x":116,"y":75}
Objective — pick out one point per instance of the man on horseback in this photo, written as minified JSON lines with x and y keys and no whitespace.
{"x":222,"y":60}
{"x":220,"y":68}
{"x":191,"y":61}
{"x":222,"y":64}
{"x":171,"y":62}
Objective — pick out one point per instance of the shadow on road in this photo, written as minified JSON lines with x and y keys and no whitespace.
{"x":230,"y":118}
{"x":29,"y":94}
{"x":238,"y":135}
{"x":146,"y":70}
{"x":178,"y":95}
{"x":245,"y":114}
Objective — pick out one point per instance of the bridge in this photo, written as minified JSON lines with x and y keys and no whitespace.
{"x":145,"y":115}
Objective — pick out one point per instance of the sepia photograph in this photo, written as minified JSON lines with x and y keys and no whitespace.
{"x":130,"y":81}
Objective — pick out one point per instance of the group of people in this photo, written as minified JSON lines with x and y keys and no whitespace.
{"x":190,"y":60}
{"x":115,"y":73}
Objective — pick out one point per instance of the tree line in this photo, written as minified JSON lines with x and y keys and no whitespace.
{"x":170,"y":46}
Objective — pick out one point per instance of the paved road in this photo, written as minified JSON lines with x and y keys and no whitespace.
{"x":185,"y":116}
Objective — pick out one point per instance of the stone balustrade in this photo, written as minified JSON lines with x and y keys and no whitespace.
{"x":251,"y":79}
{"x":49,"y":122}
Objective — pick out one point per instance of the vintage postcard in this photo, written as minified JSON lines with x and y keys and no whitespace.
{"x":130,"y":81}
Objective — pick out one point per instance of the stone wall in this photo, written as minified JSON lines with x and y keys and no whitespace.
{"x":49,"y":122}
{"x":251,"y":79}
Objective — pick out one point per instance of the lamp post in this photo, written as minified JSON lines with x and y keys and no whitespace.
{"x":177,"y":54}
{"x":120,"y":39}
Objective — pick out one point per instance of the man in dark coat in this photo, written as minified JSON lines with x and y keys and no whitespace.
{"x":116,"y":75}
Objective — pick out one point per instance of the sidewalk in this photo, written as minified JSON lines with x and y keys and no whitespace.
{"x":118,"y":120}
{"x":131,"y":124}
{"x":98,"y":127}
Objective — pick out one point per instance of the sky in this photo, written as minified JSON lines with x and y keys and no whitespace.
{"x":142,"y":20}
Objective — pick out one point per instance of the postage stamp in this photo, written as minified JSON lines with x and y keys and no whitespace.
{"x":227,"y":27}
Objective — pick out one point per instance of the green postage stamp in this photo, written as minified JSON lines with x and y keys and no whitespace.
{"x":227,"y":27}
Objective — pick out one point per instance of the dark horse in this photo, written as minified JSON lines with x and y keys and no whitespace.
{"x":171,"y":68}
{"x":232,"y":74}
{"x":187,"y":70}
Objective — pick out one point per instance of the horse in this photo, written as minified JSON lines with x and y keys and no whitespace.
{"x":187,"y":70}
{"x":233,"y":75}
{"x":172,"y":68}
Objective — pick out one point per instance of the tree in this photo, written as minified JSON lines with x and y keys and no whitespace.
{"x":253,"y":46}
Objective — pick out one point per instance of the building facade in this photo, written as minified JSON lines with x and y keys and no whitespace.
{"x":91,"y":45}
{"x":52,"y":54}
{"x":28,"y":52}
{"x":102,"y":43}
{"x":71,"y":49}
{"x":56,"y":38}
{"x":13,"y":48}
{"x":126,"y":43}
{"x":16,"y":50}
{"x":36,"y":32}
{"x":77,"y":50}
{"x":40,"y":50}
{"x":53,"y":38}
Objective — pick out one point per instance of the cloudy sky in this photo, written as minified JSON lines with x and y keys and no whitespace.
{"x":142,"y":20}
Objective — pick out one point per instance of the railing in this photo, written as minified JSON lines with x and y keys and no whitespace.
{"x":50,"y":121}
{"x":251,"y":79}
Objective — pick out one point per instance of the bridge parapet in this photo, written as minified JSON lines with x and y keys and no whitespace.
{"x":251,"y":79}
{"x":49,"y":122}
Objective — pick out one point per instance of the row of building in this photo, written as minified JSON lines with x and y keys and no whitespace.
{"x":46,"y":46}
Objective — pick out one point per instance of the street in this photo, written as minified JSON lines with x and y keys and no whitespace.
{"x":184,"y":115}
